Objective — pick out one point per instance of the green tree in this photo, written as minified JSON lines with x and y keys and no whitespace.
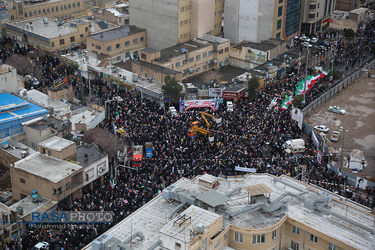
{"x":252,"y":86}
{"x":171,"y":88}
{"x":349,"y":33}
{"x":297,"y":101}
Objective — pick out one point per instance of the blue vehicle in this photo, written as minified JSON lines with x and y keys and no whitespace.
{"x":149,"y":149}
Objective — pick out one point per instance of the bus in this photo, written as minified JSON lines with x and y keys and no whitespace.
{"x":137,"y":156}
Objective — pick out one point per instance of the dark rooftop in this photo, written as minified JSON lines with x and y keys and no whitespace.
{"x":149,"y":50}
{"x":92,"y":151}
{"x":176,"y":50}
{"x":50,"y":122}
{"x":156,"y":67}
{"x":117,"y":33}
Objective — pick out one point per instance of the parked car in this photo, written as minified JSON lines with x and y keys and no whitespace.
{"x":336,"y":109}
{"x":41,"y":245}
{"x":322,"y":128}
{"x":335,"y":136}
{"x":306,"y":44}
{"x":313,"y":40}
{"x":31,"y":80}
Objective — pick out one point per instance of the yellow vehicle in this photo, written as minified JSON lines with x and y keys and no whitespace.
{"x":195,"y":128}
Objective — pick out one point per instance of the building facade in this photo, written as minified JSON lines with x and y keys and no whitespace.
{"x":349,"y":5}
{"x":61,"y":9}
{"x":178,"y":21}
{"x":314,"y":15}
{"x":196,"y":56}
{"x":120,"y":44}
{"x":8,"y":79}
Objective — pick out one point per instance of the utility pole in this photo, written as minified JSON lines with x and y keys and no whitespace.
{"x":304,"y":85}
{"x":299,"y":62}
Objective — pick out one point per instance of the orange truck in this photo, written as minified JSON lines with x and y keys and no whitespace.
{"x":137,"y":156}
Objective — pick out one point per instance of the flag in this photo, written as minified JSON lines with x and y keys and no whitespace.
{"x":112,"y":183}
{"x":288,"y":100}
{"x":339,"y":172}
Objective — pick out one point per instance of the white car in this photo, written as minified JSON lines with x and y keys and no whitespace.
{"x":313,"y":40}
{"x":173,"y":111}
{"x":335,"y":136}
{"x":322,"y":128}
{"x":306,"y":44}
{"x":336,"y":109}
{"x":41,"y":245}
{"x":307,"y":39}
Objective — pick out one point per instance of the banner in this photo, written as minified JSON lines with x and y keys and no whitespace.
{"x":249,"y":170}
{"x":60,"y":82}
{"x":297,"y":115}
{"x":288,"y":100}
{"x":215,"y":92}
{"x":314,"y":139}
{"x":199,"y":104}
{"x":361,"y":183}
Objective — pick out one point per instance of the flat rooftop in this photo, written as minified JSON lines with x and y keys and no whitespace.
{"x":59,"y":108}
{"x":117,"y":33}
{"x":264,"y":46}
{"x":85,"y":117}
{"x":56,"y":143}
{"x":92,"y":151}
{"x":153,"y":216}
{"x":28,"y":205}
{"x":50,"y":168}
{"x":16,"y":148}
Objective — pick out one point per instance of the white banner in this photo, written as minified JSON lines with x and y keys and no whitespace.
{"x":215,"y":92}
{"x":199,"y":103}
{"x":249,"y":170}
{"x":362,"y":183}
{"x":297,"y":115}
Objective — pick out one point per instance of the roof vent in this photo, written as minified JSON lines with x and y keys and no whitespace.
{"x":86,"y":157}
{"x":200,"y":228}
{"x":5,"y":145}
{"x":23,"y":154}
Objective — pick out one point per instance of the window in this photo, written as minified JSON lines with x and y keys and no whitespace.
{"x":259,"y":239}
{"x":204,"y":54}
{"x":311,"y":15}
{"x":313,"y":238}
{"x":127,"y":43}
{"x":278,"y":24}
{"x":178,"y":64}
{"x":118,"y":46}
{"x":67,"y":186}
{"x":86,"y":29}
{"x":118,"y":58}
{"x":33,"y":144}
{"x":52,"y":9}
{"x":143,"y":56}
{"x":39,"y":12}
{"x":332,"y":246}
{"x":312,"y":6}
{"x":81,"y":36}
{"x":210,"y":53}
{"x":135,"y":41}
{"x":280,"y":11}
{"x":57,"y":8}
{"x":294,"y":245}
{"x":217,"y":243}
{"x":109,"y":48}
{"x":87,"y":5}
{"x":204,"y":67}
{"x":65,"y":7}
{"x":226,"y":234}
{"x":177,"y":245}
{"x":22,"y":180}
{"x":49,"y":152}
{"x":238,"y":237}
{"x":198,"y":57}
{"x":226,"y":49}
{"x":94,"y":3}
{"x":74,"y":5}
{"x":69,"y":6}
{"x":78,"y":4}
{"x":274,"y":234}
{"x":184,"y":62}
{"x":72,"y":39}
{"x":44,"y":11}
{"x":5,"y":218}
{"x":278,"y":35}
{"x":142,"y":38}
{"x":30,"y":14}
{"x":53,"y":44}
{"x":281,"y":1}
{"x":62,"y":41}
{"x":198,"y":69}
{"x":295,"y":230}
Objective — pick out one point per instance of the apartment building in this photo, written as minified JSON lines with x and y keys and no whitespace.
{"x":60,"y":9}
{"x":314,"y":15}
{"x":119,"y":44}
{"x":179,"y":21}
{"x":196,"y":56}
{"x":256,"y":211}
{"x":349,"y":5}
{"x":8,"y":79}
{"x":113,"y":13}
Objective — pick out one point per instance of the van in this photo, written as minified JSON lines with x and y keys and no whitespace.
{"x":230,"y":106}
{"x":294,"y":143}
{"x":295,"y":150}
{"x":173,"y":111}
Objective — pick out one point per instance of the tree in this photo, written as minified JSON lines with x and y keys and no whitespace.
{"x":212,"y":75}
{"x":297,"y":101}
{"x":252,"y":86}
{"x":20,"y":63}
{"x":349,"y":33}
{"x":171,"y":87}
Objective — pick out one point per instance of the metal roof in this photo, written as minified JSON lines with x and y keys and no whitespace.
{"x":212,"y":198}
{"x":258,"y":189}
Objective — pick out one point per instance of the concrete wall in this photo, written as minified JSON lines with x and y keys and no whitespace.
{"x":34,"y":137}
{"x":66,"y":93}
{"x":231,"y":29}
{"x":93,"y":172}
{"x":202,"y":17}
{"x":8,"y":79}
{"x":63,"y":154}
{"x":159,"y":18}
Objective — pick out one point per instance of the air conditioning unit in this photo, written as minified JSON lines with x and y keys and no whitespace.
{"x":101,"y":169}
{"x":23,"y":154}
{"x":208,"y":62}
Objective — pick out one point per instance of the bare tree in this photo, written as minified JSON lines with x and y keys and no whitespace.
{"x":20,"y":63}
{"x":212,"y":75}
{"x":105,"y":139}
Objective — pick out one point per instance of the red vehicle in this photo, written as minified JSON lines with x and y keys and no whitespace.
{"x":137,"y":156}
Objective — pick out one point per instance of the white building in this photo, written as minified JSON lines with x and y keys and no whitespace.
{"x":8,"y":79}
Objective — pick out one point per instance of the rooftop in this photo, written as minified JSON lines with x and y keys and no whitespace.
{"x":54,"y":123}
{"x":16,"y":148}
{"x":359,"y":10}
{"x":263,"y":46}
{"x":156,"y":67}
{"x":56,"y":143}
{"x":153,"y":216}
{"x":53,"y":169}
{"x":92,"y":151}
{"x":59,"y":108}
{"x":86,"y":116}
{"x":117,"y":33}
{"x":29,"y":205}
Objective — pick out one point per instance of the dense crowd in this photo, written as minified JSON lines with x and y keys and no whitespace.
{"x":251,"y":136}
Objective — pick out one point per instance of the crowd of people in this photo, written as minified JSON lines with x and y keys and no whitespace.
{"x":252,"y":136}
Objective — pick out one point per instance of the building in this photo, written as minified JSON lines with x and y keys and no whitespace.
{"x":255,"y":211}
{"x":181,"y":61}
{"x":8,"y":230}
{"x":14,"y":111}
{"x":119,"y":44}
{"x":113,"y":13}
{"x":64,"y":92}
{"x":12,"y":151}
{"x":8,"y":79}
{"x":314,"y":15}
{"x":57,"y":147}
{"x":57,"y":179}
{"x":179,"y":21}
{"x":85,"y":119}
{"x":348,"y":5}
{"x":43,"y":128}
{"x":349,"y":19}
{"x":60,"y":9}
{"x":248,"y":55}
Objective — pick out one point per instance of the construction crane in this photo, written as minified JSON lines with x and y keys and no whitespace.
{"x":195,"y":128}
{"x":217,"y":120}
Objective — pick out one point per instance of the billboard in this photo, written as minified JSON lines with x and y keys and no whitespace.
{"x":187,"y":104}
{"x":215,"y":92}
{"x":257,"y":56}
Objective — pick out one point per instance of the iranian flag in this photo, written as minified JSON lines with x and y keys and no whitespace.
{"x":112,"y":183}
{"x":308,"y":83}
{"x":288,"y":100}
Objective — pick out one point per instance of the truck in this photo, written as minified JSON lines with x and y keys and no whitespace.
{"x":149,"y":149}
{"x":137,"y":156}
{"x":294,"y":146}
